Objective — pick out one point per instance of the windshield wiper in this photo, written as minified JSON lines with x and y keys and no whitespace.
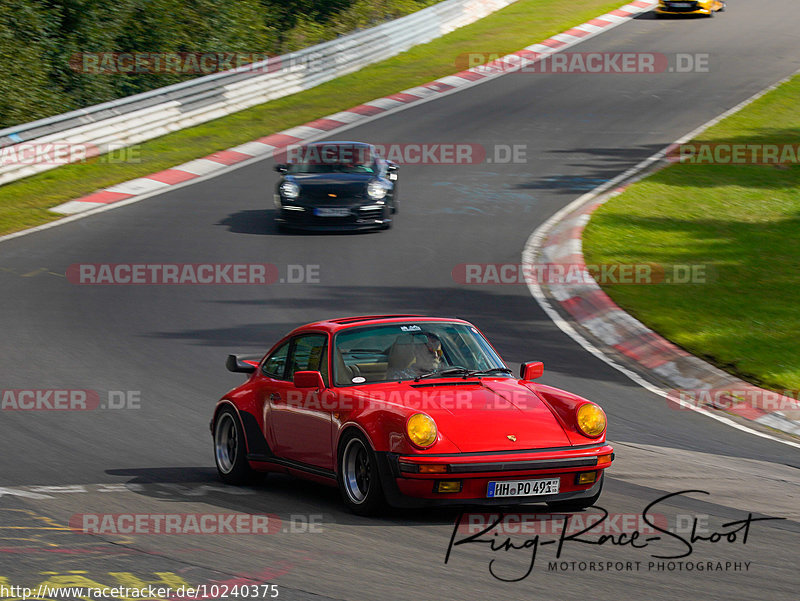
{"x":450,"y":371}
{"x":463,"y":371}
{"x":487,"y":372}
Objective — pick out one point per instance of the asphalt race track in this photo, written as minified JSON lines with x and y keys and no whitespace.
{"x":166,"y":345}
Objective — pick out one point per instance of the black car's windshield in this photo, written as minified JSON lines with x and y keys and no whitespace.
{"x":330,"y":168}
{"x":332,"y":158}
{"x":410,"y":351}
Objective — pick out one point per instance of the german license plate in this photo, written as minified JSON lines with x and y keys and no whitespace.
{"x":332,"y":212}
{"x":523,"y":488}
{"x":680,"y":4}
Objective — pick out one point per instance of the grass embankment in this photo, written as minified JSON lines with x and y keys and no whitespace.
{"x":743,"y":220}
{"x":25,"y":203}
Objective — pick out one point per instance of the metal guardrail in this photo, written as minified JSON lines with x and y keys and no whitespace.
{"x":127,"y":121}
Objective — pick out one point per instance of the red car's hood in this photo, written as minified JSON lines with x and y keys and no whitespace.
{"x":490,"y":415}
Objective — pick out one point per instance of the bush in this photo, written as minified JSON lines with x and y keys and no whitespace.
{"x":40,"y":38}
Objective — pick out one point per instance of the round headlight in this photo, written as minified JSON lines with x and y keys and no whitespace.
{"x":421,"y":430}
{"x":591,"y":420}
{"x":376,"y":191}
{"x":290,"y":190}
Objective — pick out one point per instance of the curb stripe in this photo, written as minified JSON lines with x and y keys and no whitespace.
{"x":228,"y":157}
{"x":104,"y":197}
{"x":404,"y":97}
{"x":470,"y":75}
{"x":279,"y":140}
{"x":172,"y":176}
{"x":576,"y":33}
{"x":141,"y":185}
{"x":366,"y":109}
{"x":324,"y":124}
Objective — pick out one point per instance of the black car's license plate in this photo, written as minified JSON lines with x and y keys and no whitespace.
{"x":332,"y":212}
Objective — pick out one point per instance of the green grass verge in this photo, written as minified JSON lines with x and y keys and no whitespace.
{"x":743,"y":220}
{"x":25,"y":203}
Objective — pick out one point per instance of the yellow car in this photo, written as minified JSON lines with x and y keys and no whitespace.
{"x":689,"y":7}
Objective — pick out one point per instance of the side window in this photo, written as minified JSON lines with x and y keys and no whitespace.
{"x":309,"y":353}
{"x":274,"y":366}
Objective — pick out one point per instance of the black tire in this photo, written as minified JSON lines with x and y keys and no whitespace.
{"x":230,"y":449}
{"x":358,"y":476}
{"x":576,"y":504}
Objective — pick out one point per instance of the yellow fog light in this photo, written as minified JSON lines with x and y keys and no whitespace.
{"x":591,"y":420}
{"x":448,"y":486}
{"x":421,"y":430}
{"x":586,"y":478}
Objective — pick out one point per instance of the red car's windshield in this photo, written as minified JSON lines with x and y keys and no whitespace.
{"x":408,"y":351}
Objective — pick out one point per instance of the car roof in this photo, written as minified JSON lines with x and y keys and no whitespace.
{"x":341,"y":323}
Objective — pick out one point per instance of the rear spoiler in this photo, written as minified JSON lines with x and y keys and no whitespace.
{"x":243,"y":364}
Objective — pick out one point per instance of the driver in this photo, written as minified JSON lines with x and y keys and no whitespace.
{"x":428,"y":353}
{"x":427,"y":357}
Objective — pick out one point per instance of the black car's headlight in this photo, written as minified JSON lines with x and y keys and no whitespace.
{"x":290,"y":190}
{"x":376,"y":190}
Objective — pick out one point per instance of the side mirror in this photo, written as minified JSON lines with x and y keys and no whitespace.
{"x":308,"y":379}
{"x":281,"y":168}
{"x":531,"y":370}
{"x":238,"y":364}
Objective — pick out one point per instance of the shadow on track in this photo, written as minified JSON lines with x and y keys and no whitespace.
{"x":261,"y":222}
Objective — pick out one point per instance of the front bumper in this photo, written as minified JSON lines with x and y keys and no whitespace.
{"x":359,"y":216}
{"x":403,"y":487}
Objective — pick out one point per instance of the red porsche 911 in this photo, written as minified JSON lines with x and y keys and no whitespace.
{"x":411,"y":411}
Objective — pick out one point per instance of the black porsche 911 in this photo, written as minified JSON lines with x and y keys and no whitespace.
{"x":335,"y":185}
